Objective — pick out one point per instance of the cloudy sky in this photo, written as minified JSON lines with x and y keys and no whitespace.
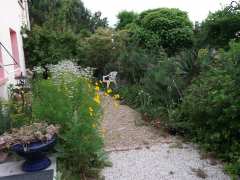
{"x":197,"y":9}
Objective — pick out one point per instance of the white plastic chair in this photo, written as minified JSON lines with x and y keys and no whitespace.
{"x":111,"y":77}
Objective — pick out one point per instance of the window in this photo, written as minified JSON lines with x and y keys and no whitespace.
{"x":15,"y":52}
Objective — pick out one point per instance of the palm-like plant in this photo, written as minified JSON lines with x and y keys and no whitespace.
{"x":187,"y":65}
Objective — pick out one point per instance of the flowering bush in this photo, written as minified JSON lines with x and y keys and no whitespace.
{"x":73,"y":102}
{"x":68,"y":66}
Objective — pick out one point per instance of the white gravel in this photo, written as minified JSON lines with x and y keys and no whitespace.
{"x":145,"y":153}
{"x":161,"y":162}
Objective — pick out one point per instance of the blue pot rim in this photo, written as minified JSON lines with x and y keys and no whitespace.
{"x":33,"y":146}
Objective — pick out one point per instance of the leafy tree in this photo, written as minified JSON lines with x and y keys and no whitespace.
{"x":64,"y":15}
{"x":72,"y":15}
{"x":44,"y":46}
{"x":220,"y":27}
{"x":125,"y":18}
{"x":164,"y":27}
{"x":171,"y":25}
{"x":42,"y":11}
{"x":143,"y":38}
{"x":102,"y":48}
{"x":57,"y":26}
{"x":96,"y":22}
{"x":134,"y":62}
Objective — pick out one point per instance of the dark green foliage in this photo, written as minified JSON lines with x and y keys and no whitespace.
{"x":4,"y":117}
{"x":64,"y":15}
{"x":42,"y":11}
{"x":99,"y":50}
{"x":233,"y":169}
{"x":220,"y":27}
{"x":209,"y":112}
{"x":44,"y":46}
{"x":159,"y":77}
{"x":125,"y":18}
{"x":160,"y":82}
{"x":15,"y":112}
{"x":188,"y":65}
{"x":103,"y":49}
{"x":130,"y":93}
{"x":71,"y":15}
{"x":166,"y":80}
{"x":134,"y":63}
{"x":143,"y":38}
{"x":57,"y":26}
{"x":171,"y":28}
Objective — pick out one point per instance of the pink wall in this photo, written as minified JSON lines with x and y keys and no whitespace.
{"x":15,"y":52}
{"x":1,"y":69}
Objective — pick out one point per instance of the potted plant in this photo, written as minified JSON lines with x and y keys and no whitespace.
{"x":31,"y":142}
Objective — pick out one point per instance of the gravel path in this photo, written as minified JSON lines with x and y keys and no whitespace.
{"x":140,"y":152}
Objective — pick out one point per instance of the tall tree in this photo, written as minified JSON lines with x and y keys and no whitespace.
{"x":125,"y":18}
{"x":164,"y":27}
{"x":42,"y":11}
{"x":64,"y":15}
{"x":220,"y":27}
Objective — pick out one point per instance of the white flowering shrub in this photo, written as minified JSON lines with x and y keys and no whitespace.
{"x":38,"y":69}
{"x":68,"y":66}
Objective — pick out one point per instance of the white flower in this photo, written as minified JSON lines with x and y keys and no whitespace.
{"x":68,"y":66}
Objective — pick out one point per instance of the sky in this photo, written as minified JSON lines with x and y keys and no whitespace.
{"x":197,"y":9}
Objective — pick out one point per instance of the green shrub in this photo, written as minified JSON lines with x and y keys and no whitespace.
{"x":129,"y":92}
{"x":4,"y":117}
{"x":209,"y":112}
{"x":220,"y":27}
{"x":134,"y":63}
{"x":172,"y":27}
{"x":135,"y":96}
{"x":125,"y":18}
{"x":162,"y":84}
{"x":69,"y":102}
{"x":15,"y":113}
{"x":44,"y":46}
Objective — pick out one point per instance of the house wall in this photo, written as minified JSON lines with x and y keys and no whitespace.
{"x":13,"y":16}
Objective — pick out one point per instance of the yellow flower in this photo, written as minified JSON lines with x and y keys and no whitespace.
{"x":109,"y":91}
{"x":105,"y":94}
{"x":97,"y":99}
{"x":116,"y":96}
{"x":96,"y":84}
{"x":94,"y":126}
{"x":97,"y":88}
{"x":90,"y":109}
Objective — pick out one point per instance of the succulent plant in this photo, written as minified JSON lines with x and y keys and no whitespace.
{"x":27,"y":134}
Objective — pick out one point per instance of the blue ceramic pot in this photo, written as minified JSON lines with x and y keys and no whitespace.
{"x":35,"y":154}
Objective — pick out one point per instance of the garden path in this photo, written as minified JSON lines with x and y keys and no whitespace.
{"x":141,"y":152}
